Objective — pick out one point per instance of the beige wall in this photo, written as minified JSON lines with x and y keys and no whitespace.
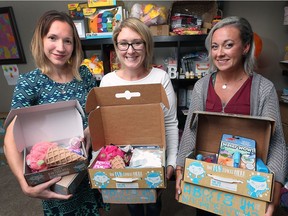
{"x":266,"y":18}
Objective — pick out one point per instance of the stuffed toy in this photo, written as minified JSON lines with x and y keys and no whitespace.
{"x":150,"y":14}
{"x":36,"y":157}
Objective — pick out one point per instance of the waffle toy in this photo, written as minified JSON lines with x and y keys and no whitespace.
{"x":56,"y":156}
{"x":117,"y":162}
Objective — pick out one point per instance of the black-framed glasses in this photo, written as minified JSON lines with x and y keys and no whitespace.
{"x":124,"y":46}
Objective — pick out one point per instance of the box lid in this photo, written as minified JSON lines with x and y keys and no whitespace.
{"x":61,"y":120}
{"x":127,"y":115}
{"x":126,"y":95}
{"x":211,"y":127}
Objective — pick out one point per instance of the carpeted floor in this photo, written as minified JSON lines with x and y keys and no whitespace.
{"x":14,"y":203}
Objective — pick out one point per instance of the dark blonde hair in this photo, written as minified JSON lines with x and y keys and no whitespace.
{"x":37,"y":48}
{"x":138,"y":26}
{"x":246,"y":35}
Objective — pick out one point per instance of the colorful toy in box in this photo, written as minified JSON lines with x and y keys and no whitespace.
{"x":45,"y":155}
{"x":95,"y":65}
{"x":101,"y":3}
{"x":150,"y":14}
{"x":76,"y":10}
{"x":237,"y":151}
{"x":36,"y":158}
{"x":102,"y":22}
{"x":112,"y":156}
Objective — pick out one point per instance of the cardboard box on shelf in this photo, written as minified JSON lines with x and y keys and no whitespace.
{"x":101,"y":22}
{"x":127,"y":115}
{"x":160,"y":30}
{"x":57,"y":122}
{"x":229,"y":190}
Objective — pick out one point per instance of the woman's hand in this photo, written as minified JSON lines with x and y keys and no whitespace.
{"x":43,"y":191}
{"x":179,"y":175}
{"x":169,"y":171}
{"x":276,"y":200}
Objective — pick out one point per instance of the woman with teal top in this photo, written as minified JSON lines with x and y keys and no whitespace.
{"x":57,"y":52}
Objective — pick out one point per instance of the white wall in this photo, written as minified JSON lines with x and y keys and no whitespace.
{"x":266,"y":18}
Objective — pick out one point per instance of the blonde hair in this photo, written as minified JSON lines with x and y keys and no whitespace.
{"x":37,"y":47}
{"x":247,"y":38}
{"x":138,"y":26}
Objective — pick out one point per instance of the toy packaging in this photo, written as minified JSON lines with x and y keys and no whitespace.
{"x":101,"y":3}
{"x":76,"y":10}
{"x":101,"y":22}
{"x":237,"y":151}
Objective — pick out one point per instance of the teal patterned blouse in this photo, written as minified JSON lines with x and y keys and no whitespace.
{"x":35,"y":88}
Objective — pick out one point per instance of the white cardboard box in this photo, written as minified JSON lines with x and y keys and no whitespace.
{"x":57,"y":122}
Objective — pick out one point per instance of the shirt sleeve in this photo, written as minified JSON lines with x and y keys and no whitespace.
{"x":171,"y":123}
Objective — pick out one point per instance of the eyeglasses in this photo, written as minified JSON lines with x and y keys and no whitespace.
{"x":124,"y":46}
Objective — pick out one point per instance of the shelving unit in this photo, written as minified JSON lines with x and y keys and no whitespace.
{"x":184,"y":44}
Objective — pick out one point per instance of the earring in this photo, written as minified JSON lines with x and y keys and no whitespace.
{"x":69,"y":61}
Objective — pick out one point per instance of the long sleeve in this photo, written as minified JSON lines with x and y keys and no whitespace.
{"x":265,"y":103}
{"x":171,"y":124}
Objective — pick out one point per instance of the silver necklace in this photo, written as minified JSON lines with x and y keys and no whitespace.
{"x":224,"y":86}
{"x":62,"y":87}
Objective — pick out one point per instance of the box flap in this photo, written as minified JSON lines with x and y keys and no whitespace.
{"x":137,"y":120}
{"x":211,"y":127}
{"x":61,"y":120}
{"x":126,"y":95}
{"x":127,"y":125}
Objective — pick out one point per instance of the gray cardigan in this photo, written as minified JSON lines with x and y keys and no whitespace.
{"x":263,"y":102}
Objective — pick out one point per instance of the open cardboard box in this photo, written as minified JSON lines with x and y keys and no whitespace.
{"x":222,"y":189}
{"x":57,"y":122}
{"x":127,"y":115}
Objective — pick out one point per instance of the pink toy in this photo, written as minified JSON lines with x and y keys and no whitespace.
{"x":35,"y":159}
{"x":109,"y":152}
{"x":75,"y":145}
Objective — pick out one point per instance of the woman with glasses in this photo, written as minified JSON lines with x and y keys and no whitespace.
{"x":133,"y":43}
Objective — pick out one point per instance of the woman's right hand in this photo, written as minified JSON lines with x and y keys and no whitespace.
{"x":179,"y":175}
{"x":43,"y":191}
